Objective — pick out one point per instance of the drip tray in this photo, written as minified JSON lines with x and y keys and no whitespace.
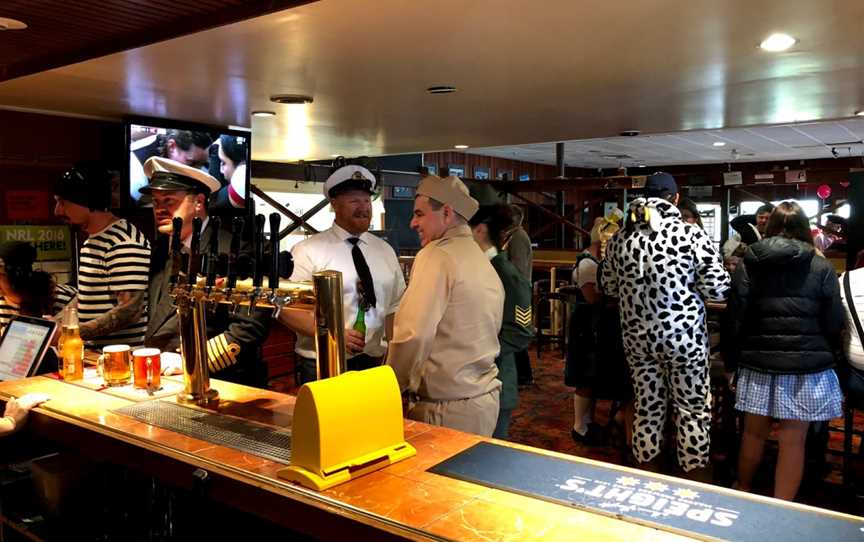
{"x":249,"y":437}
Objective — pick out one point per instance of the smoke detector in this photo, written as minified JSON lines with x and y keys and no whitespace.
{"x":11,"y":24}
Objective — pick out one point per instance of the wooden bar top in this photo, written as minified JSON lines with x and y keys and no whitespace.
{"x":401,"y":501}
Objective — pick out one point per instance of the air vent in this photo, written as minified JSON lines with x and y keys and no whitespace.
{"x":441,"y":89}
{"x":291,"y":99}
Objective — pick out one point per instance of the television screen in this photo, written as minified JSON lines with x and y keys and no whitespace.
{"x":221,"y":152}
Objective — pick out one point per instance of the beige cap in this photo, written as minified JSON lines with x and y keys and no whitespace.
{"x":451,"y":191}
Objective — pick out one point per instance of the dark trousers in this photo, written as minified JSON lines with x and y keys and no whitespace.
{"x":524,"y":374}
{"x":357,"y":363}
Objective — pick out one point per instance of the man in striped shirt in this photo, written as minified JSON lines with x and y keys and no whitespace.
{"x":114,"y":261}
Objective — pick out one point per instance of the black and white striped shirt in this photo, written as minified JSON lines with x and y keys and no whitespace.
{"x":9,"y":310}
{"x":112,"y":261}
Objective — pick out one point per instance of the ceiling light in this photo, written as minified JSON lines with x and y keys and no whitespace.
{"x":263,"y":113}
{"x":291,"y":99}
{"x":441,"y":89}
{"x":777,"y":42}
{"x":719,"y":143}
{"x":11,"y":24}
{"x":335,"y":155}
{"x":630,"y":133}
{"x":460,"y":146}
{"x":859,"y":113}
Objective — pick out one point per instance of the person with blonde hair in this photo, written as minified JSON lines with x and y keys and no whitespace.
{"x":597,"y":368}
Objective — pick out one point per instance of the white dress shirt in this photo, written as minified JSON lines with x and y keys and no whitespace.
{"x":331,"y":249}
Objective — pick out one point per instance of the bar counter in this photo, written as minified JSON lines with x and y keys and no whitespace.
{"x":400,"y":502}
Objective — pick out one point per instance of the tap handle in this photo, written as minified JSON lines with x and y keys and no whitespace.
{"x":175,"y":248}
{"x":194,"y":252}
{"x":274,"y":251}
{"x":236,"y":239}
{"x":258,"y":239}
{"x":213,"y":250}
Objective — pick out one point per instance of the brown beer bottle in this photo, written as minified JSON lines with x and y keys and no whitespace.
{"x":71,"y":346}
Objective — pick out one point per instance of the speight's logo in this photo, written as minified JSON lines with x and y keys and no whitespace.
{"x":650,"y":497}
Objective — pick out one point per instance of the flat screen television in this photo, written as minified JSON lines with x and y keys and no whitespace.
{"x":222,"y":152}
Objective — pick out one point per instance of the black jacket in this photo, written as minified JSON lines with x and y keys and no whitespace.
{"x":784,"y":314}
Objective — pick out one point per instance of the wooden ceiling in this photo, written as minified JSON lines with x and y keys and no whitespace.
{"x":62,"y":32}
{"x":527,"y":72}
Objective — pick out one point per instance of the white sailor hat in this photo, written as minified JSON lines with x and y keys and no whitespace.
{"x":167,"y":174}
{"x":349,"y":178}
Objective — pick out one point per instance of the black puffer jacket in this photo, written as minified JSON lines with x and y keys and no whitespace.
{"x":784,"y":314}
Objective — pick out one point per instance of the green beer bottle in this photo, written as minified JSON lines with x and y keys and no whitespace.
{"x":360,"y":321}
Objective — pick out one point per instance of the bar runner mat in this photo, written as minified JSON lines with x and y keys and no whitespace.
{"x":682,"y":508}
{"x":244,"y":435}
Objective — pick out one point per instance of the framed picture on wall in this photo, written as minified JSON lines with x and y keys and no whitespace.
{"x":505,"y":175}
{"x":455,"y":169}
{"x":402,"y":192}
{"x":481,"y":173}
{"x":431,"y":169}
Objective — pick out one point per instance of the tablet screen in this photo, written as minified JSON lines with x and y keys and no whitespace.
{"x":21,"y":347}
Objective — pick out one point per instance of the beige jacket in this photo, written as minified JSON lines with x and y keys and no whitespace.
{"x":445,"y":337}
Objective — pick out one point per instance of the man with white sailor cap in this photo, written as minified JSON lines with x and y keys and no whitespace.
{"x":234,"y":341}
{"x":372,"y":281}
{"x":445,"y":338}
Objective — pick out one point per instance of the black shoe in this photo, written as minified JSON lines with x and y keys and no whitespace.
{"x":594,"y":436}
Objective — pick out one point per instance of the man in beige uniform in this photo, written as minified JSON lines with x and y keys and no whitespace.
{"x":445,"y":337}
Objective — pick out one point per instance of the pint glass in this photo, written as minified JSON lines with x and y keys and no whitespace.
{"x":147,"y":367}
{"x":115,"y":365}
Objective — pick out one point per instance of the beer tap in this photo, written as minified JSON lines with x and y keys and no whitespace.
{"x":257,"y":265}
{"x":214,"y":295}
{"x":234,"y":251}
{"x":276,"y":298}
{"x":175,"y":253}
{"x":194,"y":254}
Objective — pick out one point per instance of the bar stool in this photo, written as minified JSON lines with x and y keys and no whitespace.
{"x":544,"y":305}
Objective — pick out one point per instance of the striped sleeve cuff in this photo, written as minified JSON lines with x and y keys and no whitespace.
{"x":221,"y":354}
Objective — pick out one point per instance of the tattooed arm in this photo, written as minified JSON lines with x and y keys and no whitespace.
{"x":130,"y":305}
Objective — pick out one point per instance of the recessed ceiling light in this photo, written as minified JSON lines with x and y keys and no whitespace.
{"x":291,"y":99}
{"x":460,"y":146}
{"x":441,"y":89}
{"x":860,"y":113}
{"x":719,"y":143}
{"x":630,"y":133}
{"x":777,"y":42}
{"x":11,"y":24}
{"x":263,"y":113}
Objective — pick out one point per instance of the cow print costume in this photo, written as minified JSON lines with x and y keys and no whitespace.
{"x":661,"y":268}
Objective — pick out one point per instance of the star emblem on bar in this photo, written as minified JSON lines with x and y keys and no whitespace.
{"x":627,"y":481}
{"x":656,"y":486}
{"x":685,"y":493}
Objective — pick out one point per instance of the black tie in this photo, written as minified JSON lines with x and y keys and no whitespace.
{"x":363,"y":272}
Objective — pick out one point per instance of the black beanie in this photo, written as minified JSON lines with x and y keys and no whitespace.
{"x":88,"y":184}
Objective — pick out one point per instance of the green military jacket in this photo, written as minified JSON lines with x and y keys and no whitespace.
{"x":517,"y":328}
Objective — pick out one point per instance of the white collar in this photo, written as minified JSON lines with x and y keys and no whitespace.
{"x":491,"y":252}
{"x":343,"y":235}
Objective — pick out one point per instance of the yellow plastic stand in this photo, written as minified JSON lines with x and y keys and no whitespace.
{"x":345,"y":427}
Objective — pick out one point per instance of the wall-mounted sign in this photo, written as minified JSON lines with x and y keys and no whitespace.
{"x":732,"y":178}
{"x":762,"y":178}
{"x":525,"y":177}
{"x":796,"y":176}
{"x":51,"y":242}
{"x":27,"y":205}
{"x":456,"y":170}
{"x":638,"y":181}
{"x":481,"y":173}
{"x":431,"y":169}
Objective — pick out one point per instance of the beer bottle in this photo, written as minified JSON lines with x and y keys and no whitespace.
{"x":360,"y":321}
{"x":71,"y":346}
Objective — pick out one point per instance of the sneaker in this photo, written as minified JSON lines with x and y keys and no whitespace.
{"x":594,"y":436}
